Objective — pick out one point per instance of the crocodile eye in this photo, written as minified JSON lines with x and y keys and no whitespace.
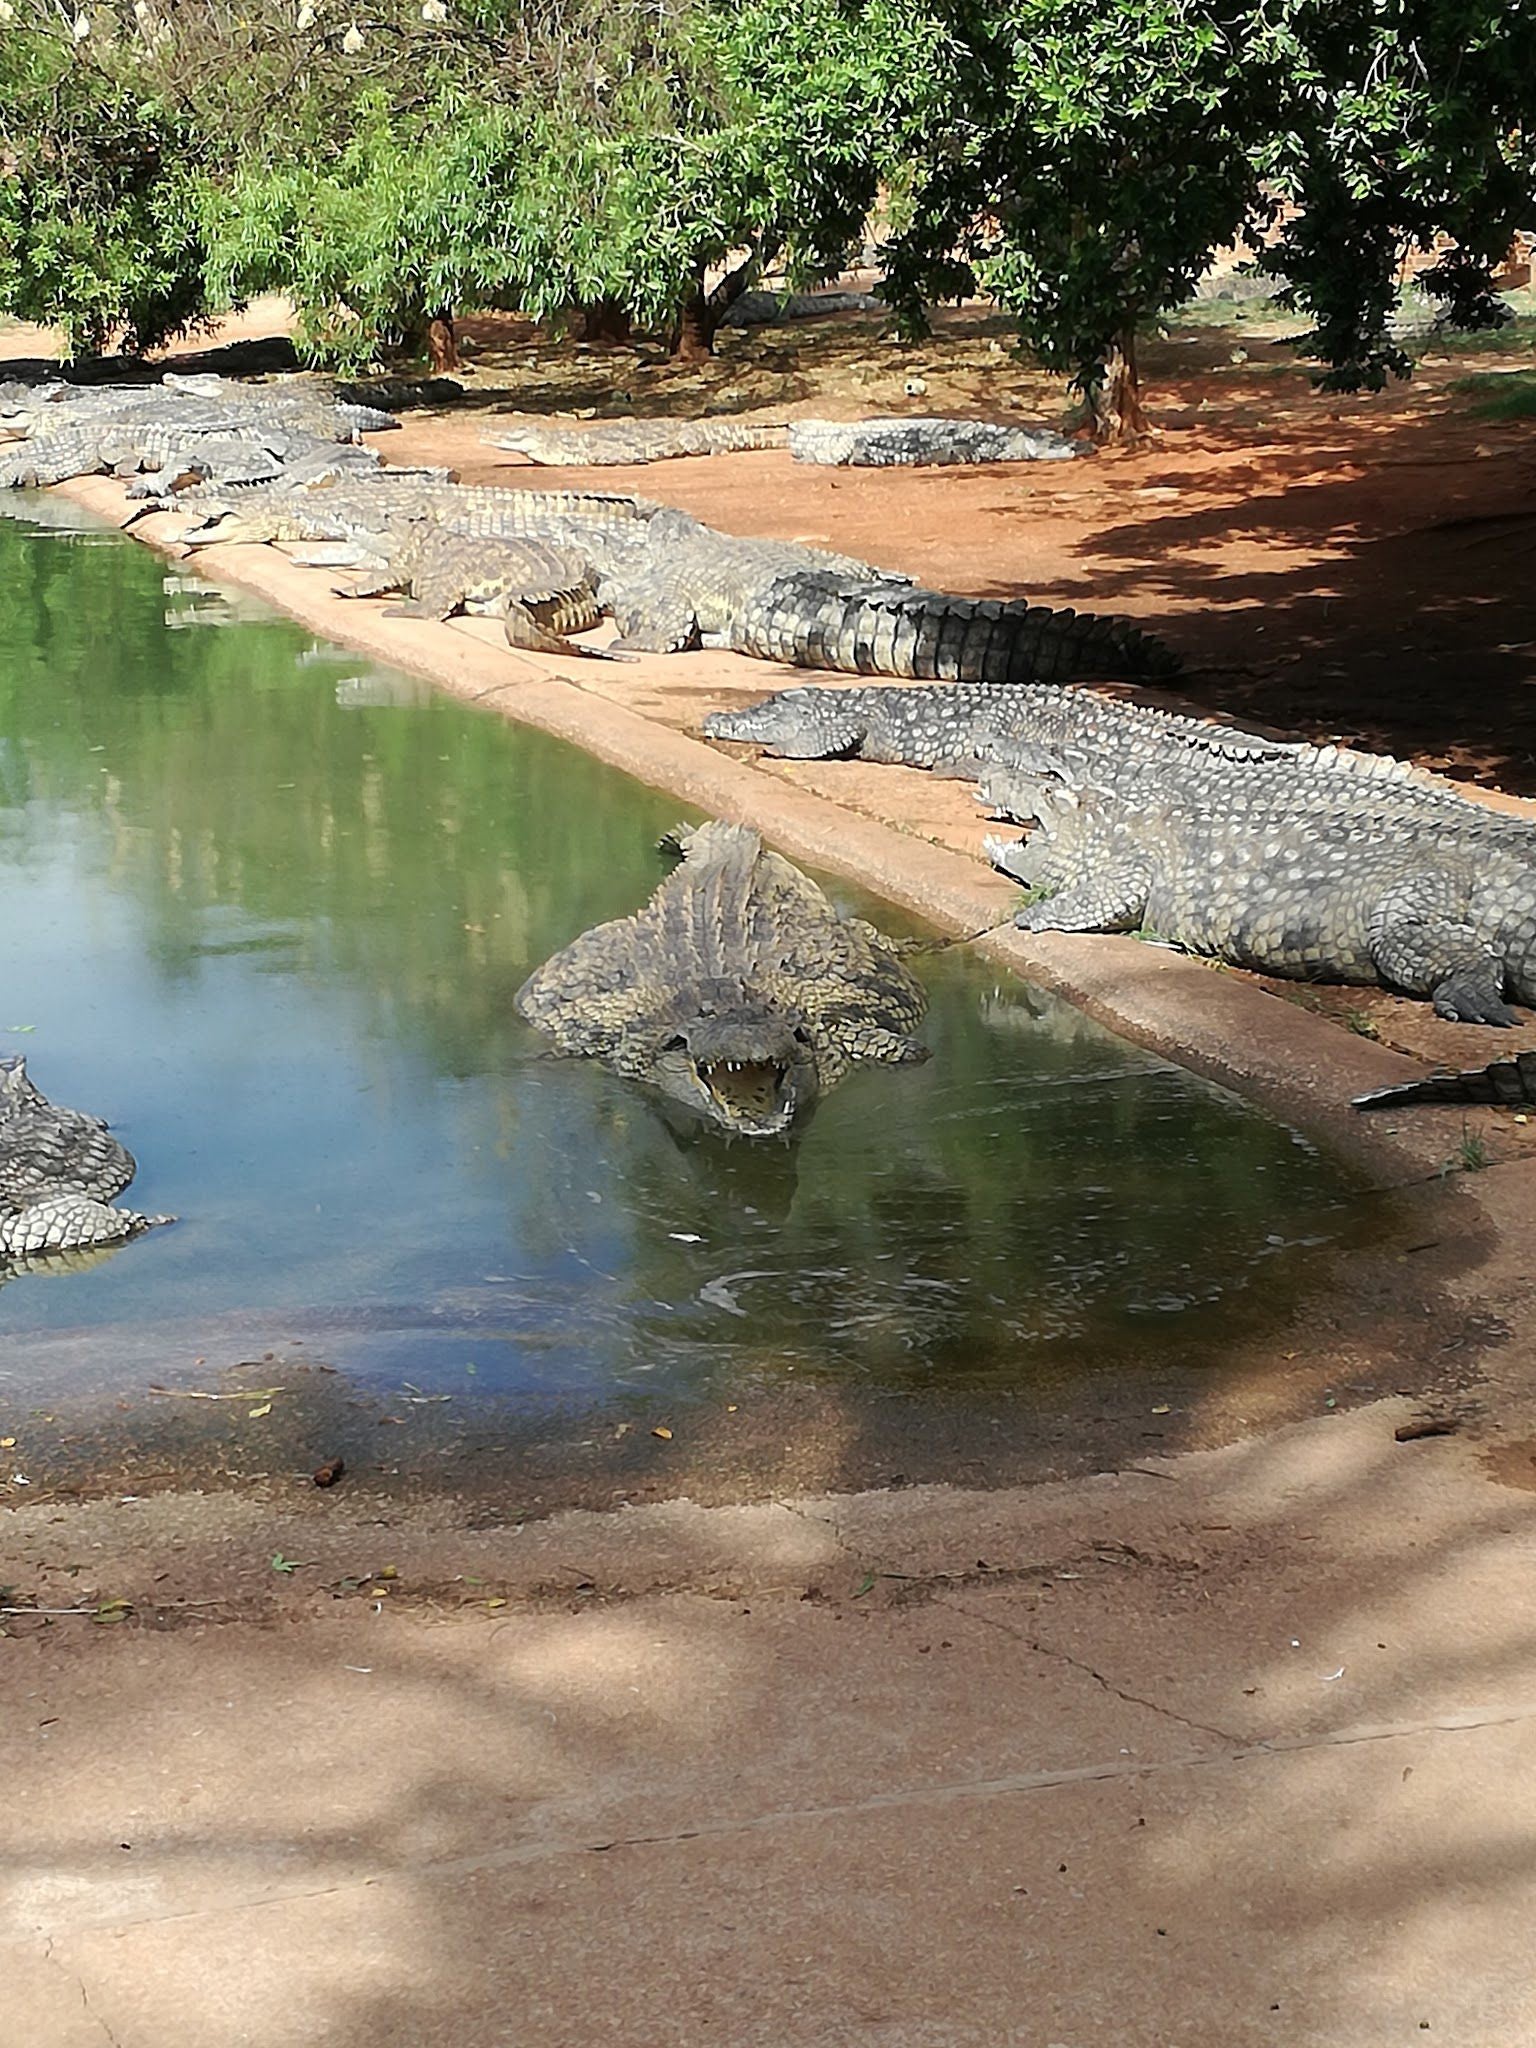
{"x":675,"y":1044}
{"x":802,"y":1036}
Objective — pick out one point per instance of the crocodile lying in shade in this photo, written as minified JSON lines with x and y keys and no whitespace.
{"x":59,"y":1171}
{"x":672,"y":582}
{"x":1507,"y":1083}
{"x":871,"y":444}
{"x":738,"y":990}
{"x":1357,"y":896}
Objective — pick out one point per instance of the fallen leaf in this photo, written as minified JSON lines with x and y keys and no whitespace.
{"x":255,"y":1414}
{"x":7,"y":1443}
{"x":113,"y":1610}
{"x":1162,"y":1408}
{"x":288,"y":1564}
{"x":663,"y":1432}
{"x":328,"y":1473}
{"x":864,"y":1586}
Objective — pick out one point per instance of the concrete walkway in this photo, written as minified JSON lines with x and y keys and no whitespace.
{"x":1238,"y":1748}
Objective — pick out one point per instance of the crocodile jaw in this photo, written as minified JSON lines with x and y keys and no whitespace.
{"x":754,"y":1098}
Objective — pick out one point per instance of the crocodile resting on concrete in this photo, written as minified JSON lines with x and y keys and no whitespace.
{"x":59,"y":1171}
{"x":738,"y":990}
{"x":539,"y":592}
{"x":1508,"y":1083}
{"x":1014,"y":737}
{"x":672,"y":582}
{"x":871,"y":444}
{"x":1367,"y":897}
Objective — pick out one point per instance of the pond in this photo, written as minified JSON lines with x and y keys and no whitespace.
{"x":266,"y":909}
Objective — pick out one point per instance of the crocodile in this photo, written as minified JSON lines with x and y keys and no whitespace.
{"x":962,"y":727}
{"x":1009,"y":737}
{"x":1507,"y":1083}
{"x":59,"y":1172}
{"x":673,"y":583}
{"x":765,"y":308}
{"x":539,"y":592}
{"x":611,"y":442}
{"x":877,"y":443}
{"x":738,"y":990}
{"x":1376,"y":898}
{"x":782,"y":602}
{"x":127,"y":430}
{"x":923,"y":443}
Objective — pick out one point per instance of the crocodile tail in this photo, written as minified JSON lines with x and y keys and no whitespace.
{"x":1506,"y":1082}
{"x":929,"y":637}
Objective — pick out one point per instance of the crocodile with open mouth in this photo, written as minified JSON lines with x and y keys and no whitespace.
{"x":738,"y":990}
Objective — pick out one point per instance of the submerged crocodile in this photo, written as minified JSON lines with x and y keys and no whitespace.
{"x":875,"y":444}
{"x":738,"y":990}
{"x":1370,"y":898}
{"x":59,"y":1172}
{"x":1505,"y":1082}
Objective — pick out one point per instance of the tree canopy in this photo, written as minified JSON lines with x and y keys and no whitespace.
{"x":1079,"y":160}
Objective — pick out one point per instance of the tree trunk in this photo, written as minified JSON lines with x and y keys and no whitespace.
{"x":698,"y":320}
{"x":696,"y":324}
{"x":443,"y":343}
{"x":604,"y":323}
{"x":1119,"y":418}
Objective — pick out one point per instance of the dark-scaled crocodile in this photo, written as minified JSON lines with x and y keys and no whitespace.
{"x":738,"y":990}
{"x":786,"y":603}
{"x":1374,"y":899}
{"x":59,"y":1172}
{"x":1508,"y":1083}
{"x":872,"y":444}
{"x":672,"y":583}
{"x":539,"y":592}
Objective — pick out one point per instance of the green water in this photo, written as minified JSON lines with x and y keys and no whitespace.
{"x":265,"y":909}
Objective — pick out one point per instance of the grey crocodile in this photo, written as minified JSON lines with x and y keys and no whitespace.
{"x":673,"y":583}
{"x":738,"y":990}
{"x":1013,"y":737}
{"x":965,"y":726}
{"x":59,"y":1172}
{"x":1374,"y":899}
{"x":876,"y":443}
{"x":763,"y":308}
{"x":539,"y":592}
{"x":611,"y":442}
{"x":1508,"y":1083}
{"x":122,"y":432}
{"x":915,"y":443}
{"x":782,"y":602}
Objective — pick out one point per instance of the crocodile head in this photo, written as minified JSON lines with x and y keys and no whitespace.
{"x":747,"y":1069}
{"x":800,"y":724}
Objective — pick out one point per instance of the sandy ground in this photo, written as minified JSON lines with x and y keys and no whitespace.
{"x":1229,"y":1743}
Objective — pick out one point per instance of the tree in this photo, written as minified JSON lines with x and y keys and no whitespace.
{"x":1420,"y":134}
{"x":98,"y":220}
